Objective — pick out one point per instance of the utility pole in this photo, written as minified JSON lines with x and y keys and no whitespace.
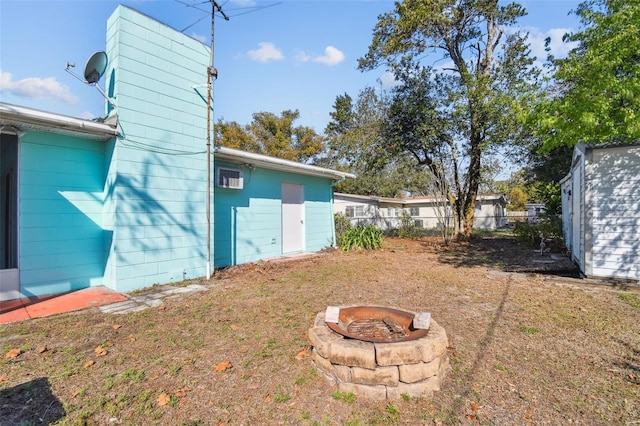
{"x":212,"y":74}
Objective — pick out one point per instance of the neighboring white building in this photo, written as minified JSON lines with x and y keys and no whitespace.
{"x":601,"y":210}
{"x":427,"y":212}
{"x":534,"y":210}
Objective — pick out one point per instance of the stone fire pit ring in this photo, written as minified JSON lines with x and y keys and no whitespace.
{"x":380,"y":370}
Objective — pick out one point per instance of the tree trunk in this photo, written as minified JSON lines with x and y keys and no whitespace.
{"x":473,"y":179}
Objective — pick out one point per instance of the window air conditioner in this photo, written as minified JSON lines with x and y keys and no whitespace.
{"x":229,"y":178}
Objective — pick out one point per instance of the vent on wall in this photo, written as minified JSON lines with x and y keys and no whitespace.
{"x":229,"y":178}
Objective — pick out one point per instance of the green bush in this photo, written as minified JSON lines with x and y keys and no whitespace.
{"x":530,"y":234}
{"x":342,"y":224}
{"x":408,"y":228}
{"x":361,"y":237}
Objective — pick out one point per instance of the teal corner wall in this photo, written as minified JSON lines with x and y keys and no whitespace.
{"x":61,"y":237}
{"x":157,"y":172}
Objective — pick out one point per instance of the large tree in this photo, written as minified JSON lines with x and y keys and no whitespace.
{"x":595,"y":96}
{"x":272,"y":135}
{"x":355,"y":143}
{"x":481,"y":80}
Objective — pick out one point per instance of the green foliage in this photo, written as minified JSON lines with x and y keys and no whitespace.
{"x":632,"y":299}
{"x":342,"y":225}
{"x":347,"y":397}
{"x":281,"y":397}
{"x":517,"y":198}
{"x":449,"y":120}
{"x":361,"y":238}
{"x":271,"y":135}
{"x":529,"y":330}
{"x":355,"y":143}
{"x":530,"y":234}
{"x":408,"y":228}
{"x":550,"y":194}
{"x":598,"y":85}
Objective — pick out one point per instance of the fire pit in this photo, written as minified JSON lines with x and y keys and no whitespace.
{"x":376,"y":324}
{"x":378,"y":352}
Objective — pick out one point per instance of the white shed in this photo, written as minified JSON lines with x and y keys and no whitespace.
{"x":601,"y":210}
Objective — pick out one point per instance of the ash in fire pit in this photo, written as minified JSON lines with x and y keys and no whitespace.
{"x":386,"y":328}
{"x":378,"y":352}
{"x":375,"y":324}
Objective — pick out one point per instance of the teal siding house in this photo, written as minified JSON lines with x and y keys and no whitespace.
{"x":122,"y":202}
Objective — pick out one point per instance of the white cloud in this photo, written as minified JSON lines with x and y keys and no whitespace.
{"x":300,"y":56}
{"x":201,"y":38}
{"x":559,"y":49}
{"x":388,"y":80}
{"x":332,"y":56}
{"x":36,"y":88}
{"x":87,"y":115}
{"x":265,"y":53}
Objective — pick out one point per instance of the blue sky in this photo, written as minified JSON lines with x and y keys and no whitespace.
{"x":296,"y":54}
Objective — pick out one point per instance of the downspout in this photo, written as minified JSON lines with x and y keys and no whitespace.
{"x":333,"y":221}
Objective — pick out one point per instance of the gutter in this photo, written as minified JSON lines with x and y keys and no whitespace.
{"x":33,"y":119}
{"x":273,"y":163}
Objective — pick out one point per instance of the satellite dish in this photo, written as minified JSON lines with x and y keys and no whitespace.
{"x":95,"y":68}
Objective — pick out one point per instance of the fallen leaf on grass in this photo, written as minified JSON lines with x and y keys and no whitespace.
{"x":100,"y":351}
{"x":303,"y":353}
{"x":88,"y":363}
{"x":163,"y":399}
{"x":223,"y":366}
{"x":180,"y":394}
{"x":116,"y":326}
{"x":4,"y":379}
{"x":162,"y":308}
{"x":42,"y":349}
{"x":132,"y":339}
{"x":13,"y":353}
{"x":267,"y":398}
{"x":75,"y":393}
{"x":234,"y":327}
{"x":474,"y":407}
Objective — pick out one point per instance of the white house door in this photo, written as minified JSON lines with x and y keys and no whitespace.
{"x":292,"y":218}
{"x":9,"y":274}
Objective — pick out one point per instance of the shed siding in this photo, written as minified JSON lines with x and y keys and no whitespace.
{"x":614,"y":182}
{"x":62,"y":180}
{"x":248,"y":223}
{"x":157,"y":205}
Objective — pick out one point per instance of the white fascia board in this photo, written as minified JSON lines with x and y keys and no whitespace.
{"x":32,"y":119}
{"x":237,"y":156}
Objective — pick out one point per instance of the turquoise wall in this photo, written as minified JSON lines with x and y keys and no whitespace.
{"x":131,"y":212}
{"x":156,"y":204}
{"x":61,"y":237}
{"x":247,"y":221}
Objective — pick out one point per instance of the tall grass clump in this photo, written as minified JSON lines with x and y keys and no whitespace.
{"x":361,"y":238}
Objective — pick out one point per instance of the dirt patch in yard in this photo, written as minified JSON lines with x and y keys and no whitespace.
{"x":528,"y":347}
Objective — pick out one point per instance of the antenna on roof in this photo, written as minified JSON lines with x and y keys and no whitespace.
{"x":93,"y":72}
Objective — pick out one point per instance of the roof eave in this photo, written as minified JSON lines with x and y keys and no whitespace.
{"x":272,"y":163}
{"x":23,"y":118}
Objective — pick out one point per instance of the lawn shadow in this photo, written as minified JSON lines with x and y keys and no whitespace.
{"x":31,"y":402}
{"x":506,"y":254}
{"x":467,"y":393}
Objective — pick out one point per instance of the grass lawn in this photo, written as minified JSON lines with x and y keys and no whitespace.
{"x":524,"y":348}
